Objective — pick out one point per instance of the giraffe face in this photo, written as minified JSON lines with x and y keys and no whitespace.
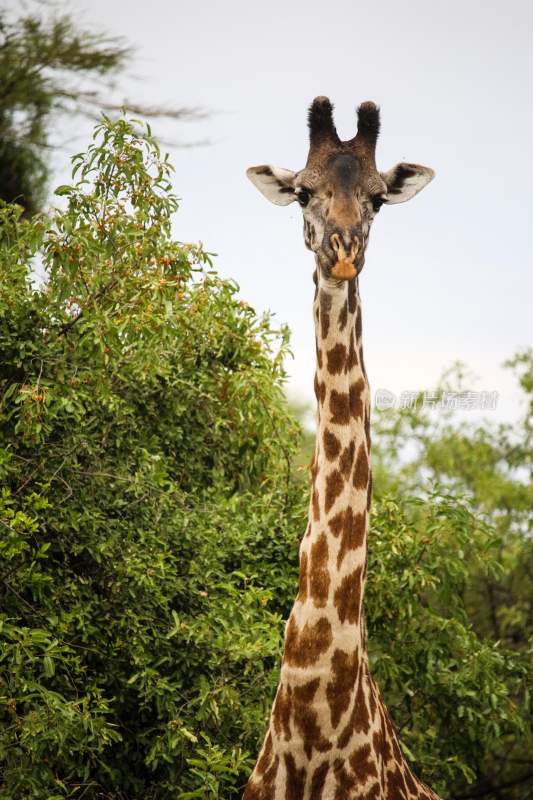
{"x":339,"y":203}
{"x":340,"y":189}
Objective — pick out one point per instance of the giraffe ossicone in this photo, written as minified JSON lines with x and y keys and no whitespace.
{"x":330,"y":736}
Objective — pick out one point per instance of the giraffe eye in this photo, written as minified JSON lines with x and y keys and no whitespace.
{"x":304,"y":196}
{"x":377,"y":202}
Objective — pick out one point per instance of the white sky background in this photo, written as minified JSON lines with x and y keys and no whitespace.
{"x":448,"y":275}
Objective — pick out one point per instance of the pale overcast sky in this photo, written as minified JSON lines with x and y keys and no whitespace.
{"x":448,"y":275}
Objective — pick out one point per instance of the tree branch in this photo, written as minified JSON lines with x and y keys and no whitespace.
{"x":68,"y":325}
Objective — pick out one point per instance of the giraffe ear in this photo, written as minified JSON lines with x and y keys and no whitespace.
{"x":275,"y":183}
{"x":405,"y":180}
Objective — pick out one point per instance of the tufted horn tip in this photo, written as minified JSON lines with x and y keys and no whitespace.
{"x":320,"y":119}
{"x":321,"y":106}
{"x":368,"y":121}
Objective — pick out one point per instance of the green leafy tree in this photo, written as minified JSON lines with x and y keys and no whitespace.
{"x":145,"y":447}
{"x":151,"y":511}
{"x":491,"y":466}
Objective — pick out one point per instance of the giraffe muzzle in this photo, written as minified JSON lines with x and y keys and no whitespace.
{"x":344,"y":268}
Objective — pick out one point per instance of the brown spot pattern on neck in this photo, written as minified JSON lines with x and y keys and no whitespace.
{"x":330,"y":736}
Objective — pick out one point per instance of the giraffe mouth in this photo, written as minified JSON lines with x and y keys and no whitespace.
{"x":345,"y":267}
{"x":344,"y":270}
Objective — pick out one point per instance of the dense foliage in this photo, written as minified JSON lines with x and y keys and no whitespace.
{"x":150,"y":517}
{"x":491,"y":465}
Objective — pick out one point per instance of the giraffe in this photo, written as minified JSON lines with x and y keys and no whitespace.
{"x":330,"y":736}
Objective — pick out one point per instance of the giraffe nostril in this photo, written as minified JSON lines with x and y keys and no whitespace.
{"x":335,"y":240}
{"x":345,"y":243}
{"x":351,"y":241}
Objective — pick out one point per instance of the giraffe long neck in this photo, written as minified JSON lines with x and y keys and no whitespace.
{"x":330,"y":736}
{"x":327,"y":614}
{"x":333,"y":552}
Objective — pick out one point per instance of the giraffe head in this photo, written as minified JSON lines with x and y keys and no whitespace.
{"x":340,"y":189}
